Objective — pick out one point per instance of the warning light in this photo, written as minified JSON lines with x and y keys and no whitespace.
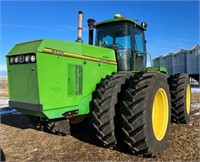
{"x":117,"y":16}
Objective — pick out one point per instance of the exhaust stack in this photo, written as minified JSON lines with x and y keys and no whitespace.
{"x":80,"y":18}
{"x":91,"y":23}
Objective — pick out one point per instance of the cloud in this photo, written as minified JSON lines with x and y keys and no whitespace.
{"x":23,"y":26}
{"x":158,"y":46}
{"x":66,"y":28}
{"x":58,"y":28}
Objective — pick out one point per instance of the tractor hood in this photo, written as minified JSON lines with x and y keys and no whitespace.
{"x":70,"y":49}
{"x":49,"y":77}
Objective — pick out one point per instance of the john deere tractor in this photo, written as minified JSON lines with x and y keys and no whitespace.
{"x":61,"y":84}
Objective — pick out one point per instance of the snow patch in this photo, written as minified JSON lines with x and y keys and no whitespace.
{"x":7,"y":111}
{"x":195,"y":106}
{"x":198,"y":113}
{"x":3,"y":102}
{"x":195,"y":89}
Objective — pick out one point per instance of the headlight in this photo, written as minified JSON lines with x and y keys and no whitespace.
{"x":11,"y":60}
{"x":21,"y":59}
{"x":27,"y":58}
{"x":16,"y":59}
{"x":32,"y":58}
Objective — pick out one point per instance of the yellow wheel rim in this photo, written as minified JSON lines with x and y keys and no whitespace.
{"x":188,"y":97}
{"x":160,"y":114}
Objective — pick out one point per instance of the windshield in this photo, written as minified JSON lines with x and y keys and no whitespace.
{"x":118,"y":37}
{"x":118,"y":33}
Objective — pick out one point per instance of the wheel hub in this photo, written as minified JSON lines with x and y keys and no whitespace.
{"x":188,"y":97}
{"x":160,"y":114}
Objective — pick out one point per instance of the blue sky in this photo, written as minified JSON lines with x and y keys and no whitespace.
{"x":172,"y":25}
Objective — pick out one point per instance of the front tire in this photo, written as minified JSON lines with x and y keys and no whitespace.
{"x":105,"y":112}
{"x":146,"y":113}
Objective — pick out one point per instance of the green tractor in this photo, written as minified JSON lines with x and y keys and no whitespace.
{"x":61,"y":84}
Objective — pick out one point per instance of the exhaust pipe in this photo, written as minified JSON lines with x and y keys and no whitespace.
{"x":80,"y":18}
{"x":91,"y":27}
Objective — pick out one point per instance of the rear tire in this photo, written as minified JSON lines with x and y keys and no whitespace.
{"x":3,"y":158}
{"x":180,"y":98}
{"x":105,"y":108}
{"x":146,"y":113}
{"x":36,"y":122}
{"x":58,"y":127}
{"x":79,"y":123}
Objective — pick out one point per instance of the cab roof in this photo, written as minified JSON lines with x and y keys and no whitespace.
{"x":118,"y":18}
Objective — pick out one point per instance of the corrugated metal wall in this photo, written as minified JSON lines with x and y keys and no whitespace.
{"x":168,"y":63}
{"x":183,"y":61}
{"x":157,"y":62}
{"x":193,"y":61}
{"x":179,"y":62}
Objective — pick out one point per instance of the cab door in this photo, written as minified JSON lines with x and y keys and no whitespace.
{"x":140,"y":50}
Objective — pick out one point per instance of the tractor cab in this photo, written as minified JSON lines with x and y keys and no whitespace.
{"x":126,"y":37}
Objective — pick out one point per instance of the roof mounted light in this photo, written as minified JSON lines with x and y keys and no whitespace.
{"x":144,"y":24}
{"x":117,"y":16}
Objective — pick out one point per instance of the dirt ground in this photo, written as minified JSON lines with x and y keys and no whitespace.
{"x":20,"y":142}
{"x":3,"y":87}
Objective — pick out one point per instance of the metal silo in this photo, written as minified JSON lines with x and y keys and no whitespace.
{"x":157,"y":62}
{"x":167,"y":63}
{"x":183,"y":61}
{"x":179,"y":62}
{"x":193,"y":62}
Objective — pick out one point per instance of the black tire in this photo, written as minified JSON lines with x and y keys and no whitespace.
{"x":36,"y":122}
{"x":79,"y":123}
{"x":105,"y":108}
{"x":3,"y":158}
{"x":137,"y":110}
{"x":180,"y":98}
{"x":59,"y":127}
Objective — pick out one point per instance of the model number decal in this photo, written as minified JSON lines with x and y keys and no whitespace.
{"x":57,"y":52}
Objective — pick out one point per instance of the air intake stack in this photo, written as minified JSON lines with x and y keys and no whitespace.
{"x":80,"y":19}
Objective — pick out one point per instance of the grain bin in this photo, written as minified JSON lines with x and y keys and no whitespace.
{"x":179,"y":62}
{"x":193,"y":62}
{"x":167,"y":63}
{"x":157,"y":62}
